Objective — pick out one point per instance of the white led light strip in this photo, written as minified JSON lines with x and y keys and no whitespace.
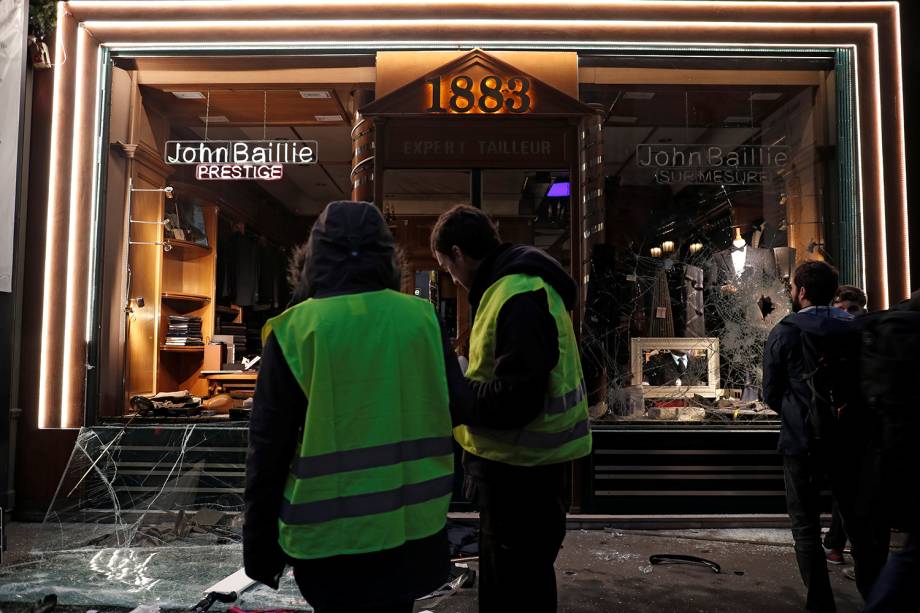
{"x":51,"y":234}
{"x":247,"y":25}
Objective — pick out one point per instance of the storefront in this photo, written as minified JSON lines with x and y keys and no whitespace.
{"x":679,"y":158}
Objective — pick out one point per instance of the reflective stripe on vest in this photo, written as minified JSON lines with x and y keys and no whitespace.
{"x":369,"y":457}
{"x":537,"y":440}
{"x":561,"y":431}
{"x":375,"y":462}
{"x":561,"y":404}
{"x":366,"y":504}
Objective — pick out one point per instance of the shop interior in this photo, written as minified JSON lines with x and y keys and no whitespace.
{"x":204,"y":263}
{"x":714,"y":192}
{"x":207,"y":261}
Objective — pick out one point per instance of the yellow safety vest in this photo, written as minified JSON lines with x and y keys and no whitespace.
{"x":375,"y":467}
{"x":560,"y":432}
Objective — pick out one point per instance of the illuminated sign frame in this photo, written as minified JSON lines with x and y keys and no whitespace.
{"x":871,"y":31}
{"x":240,"y":160}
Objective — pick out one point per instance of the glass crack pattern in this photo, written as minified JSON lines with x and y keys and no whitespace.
{"x":144,"y":516}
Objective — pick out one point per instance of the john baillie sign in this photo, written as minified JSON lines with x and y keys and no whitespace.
{"x":411,"y":145}
{"x":262,"y":160}
{"x":712,"y":163}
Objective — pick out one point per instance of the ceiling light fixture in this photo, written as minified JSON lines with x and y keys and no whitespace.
{"x":188,"y":95}
{"x":328,"y":117}
{"x":318,"y":95}
{"x":214,"y":119}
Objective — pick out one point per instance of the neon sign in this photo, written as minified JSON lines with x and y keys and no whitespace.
{"x":239,"y":172}
{"x":241,"y":160}
{"x":712,"y":164}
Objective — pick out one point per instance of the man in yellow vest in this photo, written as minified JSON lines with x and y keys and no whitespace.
{"x":529,"y":419}
{"x":350,"y":465}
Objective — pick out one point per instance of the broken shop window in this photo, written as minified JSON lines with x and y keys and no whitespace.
{"x":144,"y":515}
{"x":679,"y":337}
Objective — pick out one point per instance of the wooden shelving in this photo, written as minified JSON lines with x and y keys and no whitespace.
{"x":181,"y":349}
{"x":186,"y":297}
{"x":182,"y":280}
{"x":228,"y":310}
{"x":188,"y":276}
{"x":188,"y":246}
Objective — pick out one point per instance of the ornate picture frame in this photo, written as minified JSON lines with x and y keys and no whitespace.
{"x":642,"y":350}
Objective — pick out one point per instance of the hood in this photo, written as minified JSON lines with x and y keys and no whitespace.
{"x":350,"y":250}
{"x":511,"y":259}
{"x":822,"y":320}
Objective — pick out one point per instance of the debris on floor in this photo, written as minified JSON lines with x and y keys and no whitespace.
{"x":461,"y":577}
{"x":676,"y":558}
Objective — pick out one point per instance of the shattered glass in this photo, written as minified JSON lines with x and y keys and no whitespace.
{"x":144,"y":515}
{"x":691,"y":253}
{"x":739,"y":313}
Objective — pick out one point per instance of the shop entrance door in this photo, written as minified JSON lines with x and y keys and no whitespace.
{"x":530,"y":207}
{"x":511,"y":136}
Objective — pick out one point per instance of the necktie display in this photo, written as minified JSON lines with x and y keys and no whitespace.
{"x":662,"y":320}
{"x":693,"y":290}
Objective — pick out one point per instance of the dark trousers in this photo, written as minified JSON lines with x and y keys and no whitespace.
{"x":897,"y":589}
{"x":836,"y":537}
{"x":522,"y":525}
{"x":805,"y":477}
{"x":385,"y":581}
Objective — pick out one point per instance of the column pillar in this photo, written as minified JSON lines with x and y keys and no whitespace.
{"x":362,"y":147}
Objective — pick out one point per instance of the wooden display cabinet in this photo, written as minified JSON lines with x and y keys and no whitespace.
{"x":187,"y":286}
{"x":177,"y":281}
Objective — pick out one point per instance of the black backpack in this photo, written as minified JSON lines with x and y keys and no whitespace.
{"x":831,"y":371}
{"x":890,"y":365}
{"x":891,"y":361}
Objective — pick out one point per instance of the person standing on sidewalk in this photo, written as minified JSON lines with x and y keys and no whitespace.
{"x":890,"y":363}
{"x":530,"y":416}
{"x":350,"y":467}
{"x":853,"y":300}
{"x":810,"y":377}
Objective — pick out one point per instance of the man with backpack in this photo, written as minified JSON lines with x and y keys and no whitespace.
{"x":811,"y":378}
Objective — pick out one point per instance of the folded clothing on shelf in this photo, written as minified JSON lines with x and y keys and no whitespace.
{"x":184,"y":331}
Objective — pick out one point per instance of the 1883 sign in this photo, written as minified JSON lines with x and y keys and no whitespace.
{"x":489,"y":94}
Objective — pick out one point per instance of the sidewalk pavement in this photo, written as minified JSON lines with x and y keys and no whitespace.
{"x":607,"y":570}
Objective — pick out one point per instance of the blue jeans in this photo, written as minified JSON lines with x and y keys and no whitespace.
{"x":897,"y":589}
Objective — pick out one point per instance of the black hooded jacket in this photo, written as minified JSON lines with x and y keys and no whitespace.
{"x":350,"y":250}
{"x":526,"y":343}
{"x":785,"y":382}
